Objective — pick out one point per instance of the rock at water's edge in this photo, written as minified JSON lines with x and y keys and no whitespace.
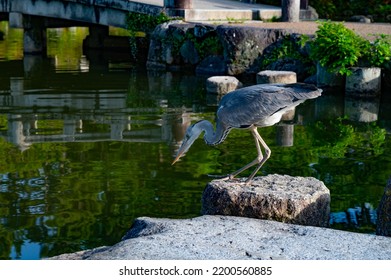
{"x":298,"y":200}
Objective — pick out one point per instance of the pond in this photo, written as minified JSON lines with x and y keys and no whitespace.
{"x":87,"y":141}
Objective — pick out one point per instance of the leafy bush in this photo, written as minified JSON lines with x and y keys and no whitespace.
{"x":377,"y":53}
{"x":335,"y":47}
{"x":338,"y":48}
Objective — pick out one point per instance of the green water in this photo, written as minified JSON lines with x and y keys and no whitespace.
{"x":87,"y":141}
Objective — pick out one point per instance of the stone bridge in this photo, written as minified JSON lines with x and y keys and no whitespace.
{"x":34,"y":16}
{"x":83,"y":12}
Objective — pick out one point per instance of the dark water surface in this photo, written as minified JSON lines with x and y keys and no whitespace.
{"x":87,"y":141}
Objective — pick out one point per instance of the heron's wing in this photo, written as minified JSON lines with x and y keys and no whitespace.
{"x":251,"y":105}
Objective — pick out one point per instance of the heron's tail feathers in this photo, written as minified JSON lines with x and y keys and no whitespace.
{"x":304,"y":91}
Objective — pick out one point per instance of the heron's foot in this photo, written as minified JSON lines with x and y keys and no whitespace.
{"x":221,"y":177}
{"x":248,"y":181}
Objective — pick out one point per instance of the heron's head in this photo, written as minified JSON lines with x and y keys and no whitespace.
{"x":191,"y":135}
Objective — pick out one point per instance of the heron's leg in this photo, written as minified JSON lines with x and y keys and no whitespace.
{"x":257,"y":160}
{"x":260,"y":159}
{"x":263,"y":160}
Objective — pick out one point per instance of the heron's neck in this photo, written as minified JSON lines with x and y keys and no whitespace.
{"x":213,"y":137}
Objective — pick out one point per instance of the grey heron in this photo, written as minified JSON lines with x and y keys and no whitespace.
{"x":248,"y":108}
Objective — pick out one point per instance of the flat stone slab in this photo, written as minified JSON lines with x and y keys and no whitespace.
{"x":279,"y":77}
{"x":222,"y":84}
{"x":237,"y":238}
{"x":297,"y":200}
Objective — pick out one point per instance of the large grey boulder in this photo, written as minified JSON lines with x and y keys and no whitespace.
{"x":298,"y":200}
{"x":177,"y":45}
{"x":212,"y":65}
{"x":236,"y":238}
{"x":166,"y":42}
{"x":189,"y":53}
{"x":383,"y":226}
{"x":244,"y":46}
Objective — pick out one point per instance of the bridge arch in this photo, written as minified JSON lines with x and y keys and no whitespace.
{"x":34,"y":16}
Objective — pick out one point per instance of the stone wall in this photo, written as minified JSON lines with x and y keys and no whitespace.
{"x":210,"y":49}
{"x":234,"y":50}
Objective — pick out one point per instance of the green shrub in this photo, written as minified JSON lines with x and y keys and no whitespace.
{"x":336,"y":47}
{"x":377,"y":53}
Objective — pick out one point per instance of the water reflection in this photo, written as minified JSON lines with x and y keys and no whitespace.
{"x":86,"y":147}
{"x":129,"y":110}
{"x":355,"y":217}
{"x":362,"y":110}
{"x":96,"y":144}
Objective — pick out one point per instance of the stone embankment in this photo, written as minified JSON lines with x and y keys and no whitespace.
{"x":236,"y":50}
{"x":210,"y":49}
{"x":294,"y":200}
{"x":230,"y":238}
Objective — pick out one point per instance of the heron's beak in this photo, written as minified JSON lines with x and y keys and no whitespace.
{"x":188,"y":140}
{"x":176,"y":159}
{"x":181,"y":151}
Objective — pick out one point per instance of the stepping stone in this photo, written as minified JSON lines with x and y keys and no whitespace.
{"x":276,"y":77}
{"x":221,"y":85}
{"x":283,"y":198}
